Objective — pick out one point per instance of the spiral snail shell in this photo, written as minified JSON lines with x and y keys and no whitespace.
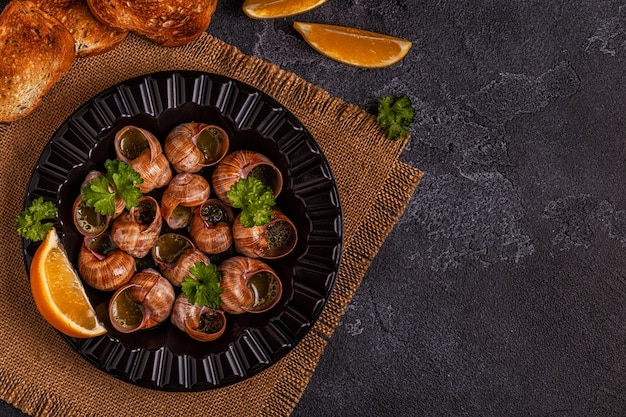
{"x":184,"y":192}
{"x":242,"y":164}
{"x":270,"y":241}
{"x":174,"y":255}
{"x":142,"y":151}
{"x":144,"y":302}
{"x":200,"y":323}
{"x":193,"y":146}
{"x":87,"y":221}
{"x":210,"y":226}
{"x":249,"y":285}
{"x":102,"y":265}
{"x":136,"y":231}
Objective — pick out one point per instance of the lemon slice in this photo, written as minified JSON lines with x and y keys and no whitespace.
{"x":270,"y":9}
{"x":59,"y":293}
{"x":353,"y":46}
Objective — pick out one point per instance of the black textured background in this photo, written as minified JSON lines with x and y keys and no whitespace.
{"x":501,"y":291}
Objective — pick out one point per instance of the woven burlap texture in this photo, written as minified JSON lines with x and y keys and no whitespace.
{"x":42,"y":375}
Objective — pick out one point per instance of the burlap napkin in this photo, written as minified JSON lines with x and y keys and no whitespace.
{"x":42,"y":375}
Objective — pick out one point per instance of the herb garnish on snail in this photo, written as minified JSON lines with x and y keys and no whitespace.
{"x":104,"y":196}
{"x":201,"y":323}
{"x":272,"y":240}
{"x":89,"y":221}
{"x":244,"y":164}
{"x":197,"y":309}
{"x":260,"y":231}
{"x":175,"y":255}
{"x":142,"y":151}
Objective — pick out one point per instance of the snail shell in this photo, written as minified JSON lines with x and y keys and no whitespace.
{"x":193,"y":146}
{"x":184,"y":191}
{"x":86,"y":220}
{"x":142,"y":151}
{"x":250,"y":285}
{"x":120,"y":205}
{"x":210,"y":226}
{"x":241,"y":164}
{"x":201,"y":323}
{"x":175,"y":254}
{"x":144,"y":302}
{"x":136,"y":231}
{"x":270,"y":241}
{"x":102,"y":265}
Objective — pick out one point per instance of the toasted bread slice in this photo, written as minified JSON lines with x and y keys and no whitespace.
{"x":91,"y":36}
{"x":166,"y":22}
{"x":35,"y":51}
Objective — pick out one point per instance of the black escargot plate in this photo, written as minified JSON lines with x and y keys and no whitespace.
{"x":164,"y":358}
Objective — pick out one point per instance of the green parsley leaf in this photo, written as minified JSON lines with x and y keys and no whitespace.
{"x":202,"y":287}
{"x":120,"y":180}
{"x":124,"y":180}
{"x":29,"y":222}
{"x":100,"y":196}
{"x":255,"y":200}
{"x":395,"y":117}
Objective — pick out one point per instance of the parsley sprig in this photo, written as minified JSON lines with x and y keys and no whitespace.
{"x":30,"y":222}
{"x":255,"y":200}
{"x":203,"y":286}
{"x":395,"y":117}
{"x":119,"y":180}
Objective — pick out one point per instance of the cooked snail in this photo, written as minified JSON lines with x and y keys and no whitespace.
{"x":270,"y":241}
{"x":102,"y":265}
{"x":144,"y":302}
{"x":87,"y":221}
{"x":201,"y":323}
{"x":175,"y":254}
{"x":120,"y":205}
{"x":142,"y":151}
{"x":210,"y":226}
{"x":193,"y":146}
{"x":249,"y":285}
{"x":244,"y":164}
{"x":184,"y":192}
{"x":136,"y":231}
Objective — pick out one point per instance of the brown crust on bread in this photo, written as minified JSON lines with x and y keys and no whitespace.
{"x":36,"y":50}
{"x":91,"y":36}
{"x":166,"y":22}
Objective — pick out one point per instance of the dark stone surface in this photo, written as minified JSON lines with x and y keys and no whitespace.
{"x":501,"y":290}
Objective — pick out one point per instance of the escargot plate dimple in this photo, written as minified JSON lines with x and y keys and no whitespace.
{"x":163,"y":357}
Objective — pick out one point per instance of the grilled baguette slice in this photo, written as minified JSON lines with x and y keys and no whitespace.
{"x":35,"y":51}
{"x":91,"y":36}
{"x":166,"y":22}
